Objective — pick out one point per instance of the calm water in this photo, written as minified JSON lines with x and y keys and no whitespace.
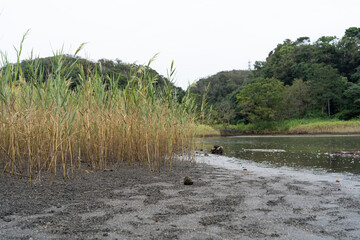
{"x":301,"y":152}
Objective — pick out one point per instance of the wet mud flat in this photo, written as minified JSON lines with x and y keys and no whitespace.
{"x":133,"y":203}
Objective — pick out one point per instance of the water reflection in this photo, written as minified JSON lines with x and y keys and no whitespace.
{"x":299,"y":151}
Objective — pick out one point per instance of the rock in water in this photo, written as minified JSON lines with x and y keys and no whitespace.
{"x":188,"y":181}
{"x":217,"y":150}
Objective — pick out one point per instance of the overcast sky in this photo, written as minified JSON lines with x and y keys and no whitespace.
{"x":203,"y":37}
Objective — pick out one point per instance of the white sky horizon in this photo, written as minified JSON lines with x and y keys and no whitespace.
{"x":203,"y":37}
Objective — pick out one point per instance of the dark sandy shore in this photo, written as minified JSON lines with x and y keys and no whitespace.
{"x":130,"y":203}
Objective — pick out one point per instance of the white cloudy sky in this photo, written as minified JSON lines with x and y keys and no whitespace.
{"x":203,"y":37}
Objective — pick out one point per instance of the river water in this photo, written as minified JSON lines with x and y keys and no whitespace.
{"x":299,"y":154}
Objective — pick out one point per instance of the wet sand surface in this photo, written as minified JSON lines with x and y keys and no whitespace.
{"x":132,"y":203}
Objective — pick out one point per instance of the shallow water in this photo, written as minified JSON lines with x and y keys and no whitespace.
{"x":302,"y":152}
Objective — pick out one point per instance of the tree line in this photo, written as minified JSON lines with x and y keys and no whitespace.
{"x":298,"y":79}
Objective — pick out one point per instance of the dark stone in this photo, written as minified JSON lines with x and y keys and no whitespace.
{"x":188,"y":181}
{"x":217,"y":150}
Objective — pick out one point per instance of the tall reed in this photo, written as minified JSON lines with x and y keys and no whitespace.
{"x":46,"y":126}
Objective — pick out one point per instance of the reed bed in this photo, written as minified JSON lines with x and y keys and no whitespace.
{"x":203,"y":130}
{"x":47,"y":127}
{"x":340,"y":127}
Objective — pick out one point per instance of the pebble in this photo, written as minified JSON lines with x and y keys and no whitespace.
{"x":188,"y":181}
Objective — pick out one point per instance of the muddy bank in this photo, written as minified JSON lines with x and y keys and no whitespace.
{"x":130,"y":203}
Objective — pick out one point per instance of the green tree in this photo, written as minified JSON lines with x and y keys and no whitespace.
{"x":279,"y":63}
{"x":297,"y":99}
{"x":325,"y":51}
{"x":349,"y":54}
{"x":226,"y":111}
{"x":262,"y":100}
{"x":283,"y":61}
{"x":327,"y":86}
{"x":352,"y":94}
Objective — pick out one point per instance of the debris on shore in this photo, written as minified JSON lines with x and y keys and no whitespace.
{"x":217,"y":150}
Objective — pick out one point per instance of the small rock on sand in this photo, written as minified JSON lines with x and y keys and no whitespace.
{"x":188,"y":181}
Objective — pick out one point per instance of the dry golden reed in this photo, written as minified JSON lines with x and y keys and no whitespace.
{"x":46,"y":126}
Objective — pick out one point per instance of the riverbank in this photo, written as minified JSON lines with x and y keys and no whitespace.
{"x":129,"y":203}
{"x":295,"y":126}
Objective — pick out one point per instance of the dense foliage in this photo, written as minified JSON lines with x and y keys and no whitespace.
{"x":262,"y":100}
{"x":298,"y":79}
{"x":220,"y":90}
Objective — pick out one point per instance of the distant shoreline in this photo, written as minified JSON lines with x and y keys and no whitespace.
{"x":294,"y":135}
{"x":224,"y":134}
{"x":289,"y":127}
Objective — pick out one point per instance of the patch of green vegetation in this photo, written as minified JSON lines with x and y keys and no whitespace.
{"x":330,"y":127}
{"x":202,"y":130}
{"x":293,"y":126}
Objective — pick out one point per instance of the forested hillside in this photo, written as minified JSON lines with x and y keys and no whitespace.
{"x":298,"y":79}
{"x":220,"y":90}
{"x":106,"y":69}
